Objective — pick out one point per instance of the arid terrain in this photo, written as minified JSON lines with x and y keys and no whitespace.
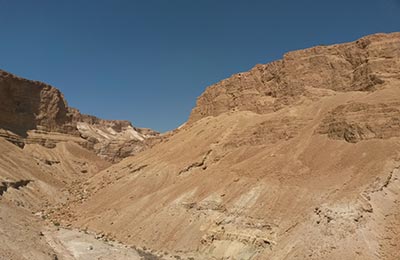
{"x":295,"y":159}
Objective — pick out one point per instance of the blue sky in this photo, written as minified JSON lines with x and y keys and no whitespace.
{"x":147,"y":61}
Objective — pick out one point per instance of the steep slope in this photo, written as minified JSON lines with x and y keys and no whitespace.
{"x":31,"y":180}
{"x":297,"y":159}
{"x":51,"y":150}
{"x":34,"y":112}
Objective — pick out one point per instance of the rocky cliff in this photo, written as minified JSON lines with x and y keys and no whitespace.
{"x":34,"y":112}
{"x":362,"y":65}
{"x":27,"y":105}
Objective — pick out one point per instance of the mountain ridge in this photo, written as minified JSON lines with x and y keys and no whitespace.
{"x":295,"y":159}
{"x":268,"y":87}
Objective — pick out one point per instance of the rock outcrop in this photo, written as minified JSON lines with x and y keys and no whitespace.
{"x":113,"y":139}
{"x":27,"y":105}
{"x":362,"y":65}
{"x":355,"y":122}
{"x":34,"y":112}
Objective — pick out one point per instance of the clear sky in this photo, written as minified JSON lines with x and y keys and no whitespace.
{"x":147,"y":61}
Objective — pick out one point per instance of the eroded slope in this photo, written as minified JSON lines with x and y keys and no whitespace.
{"x":296,"y":159}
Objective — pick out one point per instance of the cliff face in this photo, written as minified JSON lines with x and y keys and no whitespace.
{"x":34,"y":112}
{"x":297,"y":159}
{"x":362,"y":65}
{"x":27,"y":105}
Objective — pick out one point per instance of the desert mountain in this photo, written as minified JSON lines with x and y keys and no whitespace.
{"x":295,"y":159}
{"x":34,"y":112}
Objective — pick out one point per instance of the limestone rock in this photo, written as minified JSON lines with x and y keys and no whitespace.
{"x":362,"y":65}
{"x":27,"y":104}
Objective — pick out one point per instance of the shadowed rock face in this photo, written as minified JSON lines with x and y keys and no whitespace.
{"x":27,"y":105}
{"x":34,"y":112}
{"x":4,"y":186}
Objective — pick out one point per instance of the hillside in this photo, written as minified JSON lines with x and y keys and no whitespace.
{"x":295,"y":159}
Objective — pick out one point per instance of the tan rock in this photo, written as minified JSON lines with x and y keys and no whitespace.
{"x":34,"y":112}
{"x":362,"y":65}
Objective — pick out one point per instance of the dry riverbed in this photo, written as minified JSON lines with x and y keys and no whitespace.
{"x":77,"y":245}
